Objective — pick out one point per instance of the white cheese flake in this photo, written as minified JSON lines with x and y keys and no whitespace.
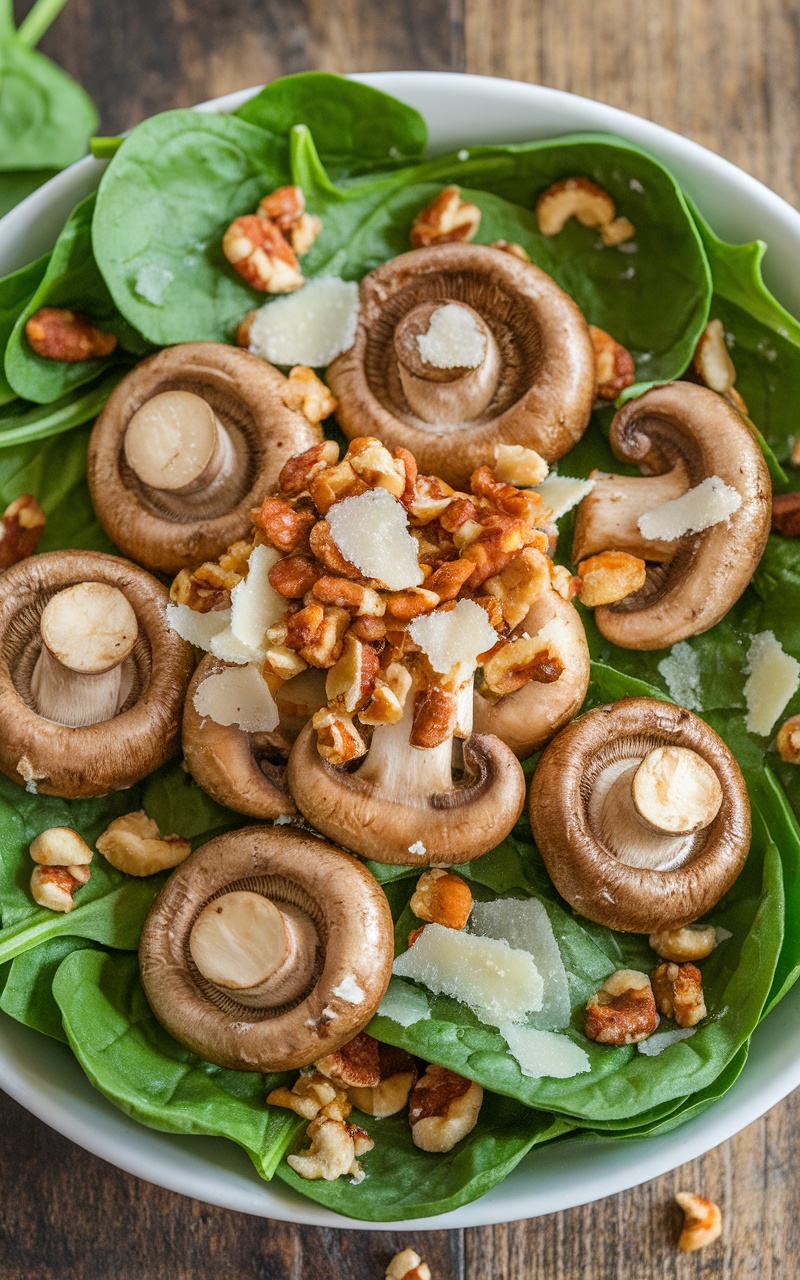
{"x":404,"y":1004}
{"x":773,"y":677}
{"x":237,"y":695}
{"x":499,"y":983}
{"x":349,"y":990}
{"x":662,"y":1040}
{"x":255,"y":605}
{"x":562,"y":493}
{"x":417,"y":848}
{"x":311,"y":326}
{"x":152,"y":282}
{"x":525,"y":925}
{"x":544,"y":1053}
{"x":371,"y":531}
{"x":227,"y":648}
{"x":455,"y":637}
{"x":454,"y":340}
{"x":707,"y":504}
{"x":198,"y":629}
{"x":681,"y":670}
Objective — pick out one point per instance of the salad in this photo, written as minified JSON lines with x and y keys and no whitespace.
{"x":442,"y":511}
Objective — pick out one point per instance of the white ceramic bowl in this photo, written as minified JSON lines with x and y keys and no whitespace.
{"x":44,"y":1077}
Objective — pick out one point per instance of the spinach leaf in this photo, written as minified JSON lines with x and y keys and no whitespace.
{"x":71,"y":280}
{"x":28,"y":993}
{"x":129,"y":1057}
{"x":15,"y":187}
{"x":55,"y":471}
{"x":356,"y":129}
{"x":22,"y":423}
{"x":165,"y":201}
{"x":16,"y":291}
{"x":176,"y":804}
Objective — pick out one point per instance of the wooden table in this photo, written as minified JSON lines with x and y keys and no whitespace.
{"x":725,"y":74}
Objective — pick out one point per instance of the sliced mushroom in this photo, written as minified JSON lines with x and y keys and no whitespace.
{"x":267,"y":949}
{"x":527,"y":375}
{"x":187,"y":445}
{"x":679,"y":435}
{"x":641,"y":815}
{"x":527,"y":719}
{"x":92,"y":679}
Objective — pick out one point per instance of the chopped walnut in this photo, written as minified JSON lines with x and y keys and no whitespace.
{"x":788,"y":741}
{"x":442,"y":898}
{"x":443,"y":1109}
{"x":55,"y":333}
{"x":325,"y":549}
{"x":615,"y":367}
{"x":518,"y":662}
{"x":335,"y":1146}
{"x":22,"y":526}
{"x":520,"y":585}
{"x":678,"y":990}
{"x":284,"y":206}
{"x":346,"y":594}
{"x":338,"y":739}
{"x":294,"y":576}
{"x":408,"y":1265}
{"x":574,"y":198}
{"x":60,"y":847}
{"x":355,"y":1063}
{"x":299,"y":470}
{"x":389,"y":697}
{"x":691,"y":942}
{"x":311,"y":1096}
{"x":445,"y":219}
{"x":282,"y":663}
{"x":610,"y":577}
{"x":623,"y":1011}
{"x":306,"y":393}
{"x":53,"y":887}
{"x":262,"y":256}
{"x":430,"y":500}
{"x":711,"y":360}
{"x":435,"y":716}
{"x":133,"y":844}
{"x":786,"y":514}
{"x":617,"y":232}
{"x":335,"y":483}
{"x":564,"y":582}
{"x":409,"y":604}
{"x":286,"y":528}
{"x":397,"y":1074}
{"x":509,"y":246}
{"x":351,"y":681}
{"x":374,"y":464}
{"x":702,"y":1221}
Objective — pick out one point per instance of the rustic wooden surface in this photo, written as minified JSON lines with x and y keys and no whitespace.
{"x":726,"y":74}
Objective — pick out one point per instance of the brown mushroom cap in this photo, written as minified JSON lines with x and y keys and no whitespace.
{"x":333,"y":894}
{"x":90,"y":760}
{"x":452,"y":826}
{"x":527,"y":719}
{"x":584,"y":870}
{"x":167,"y":530}
{"x":678,"y":435}
{"x":245,"y":771}
{"x":546,"y":385}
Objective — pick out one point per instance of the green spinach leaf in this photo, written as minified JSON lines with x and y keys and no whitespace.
{"x":22,"y":423}
{"x":28,"y":993}
{"x":16,"y":291}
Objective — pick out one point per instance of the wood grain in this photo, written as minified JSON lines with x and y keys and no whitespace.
{"x":727,"y":75}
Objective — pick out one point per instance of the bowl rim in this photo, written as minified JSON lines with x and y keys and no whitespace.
{"x":44,"y":1077}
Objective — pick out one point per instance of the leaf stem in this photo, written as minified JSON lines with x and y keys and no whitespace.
{"x":35,"y":23}
{"x":7,"y":27}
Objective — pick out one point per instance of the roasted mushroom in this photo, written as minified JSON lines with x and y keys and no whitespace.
{"x":641,"y":815}
{"x":460,"y":348}
{"x":92,"y":679}
{"x":702,"y":551}
{"x":267,"y":949}
{"x":187,"y":445}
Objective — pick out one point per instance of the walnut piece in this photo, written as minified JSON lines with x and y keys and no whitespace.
{"x":711,"y":360}
{"x":786,"y":514}
{"x":133,"y":844}
{"x":350,"y":683}
{"x":53,"y":887}
{"x":338,"y":739}
{"x":408,"y":1265}
{"x":398,"y":1074}
{"x":678,"y":991}
{"x":442,"y":898}
{"x":510,"y":246}
{"x":788,"y":742}
{"x":22,"y":526}
{"x":702,"y":1221}
{"x":573,"y":198}
{"x":335,"y":1146}
{"x":299,"y":470}
{"x":311,"y":1096}
{"x":60,"y":847}
{"x":615,"y":367}
{"x":517,"y":663}
{"x":623,"y":1011}
{"x":306,"y":393}
{"x":443,"y":1109}
{"x":56,"y":333}
{"x":610,"y":577}
{"x":692,"y":942}
{"x":517,"y":465}
{"x":445,"y":219}
{"x":261,"y":255}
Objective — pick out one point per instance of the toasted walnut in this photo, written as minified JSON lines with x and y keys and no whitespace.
{"x":303,"y":626}
{"x":510,"y":246}
{"x":786,"y":514}
{"x":335,"y":483}
{"x":516,"y":465}
{"x":293,"y":576}
{"x":460,"y":511}
{"x":311,"y":1096}
{"x":338,"y":740}
{"x":411,"y":603}
{"x":262,"y":256}
{"x":280,"y":664}
{"x":409,"y":465}
{"x":711,"y":360}
{"x":287,"y":528}
{"x":623,"y":1011}
{"x":185,"y":589}
{"x":134,"y":844}
{"x":408,"y":1265}
{"x":389,"y":697}
{"x":53,"y":887}
{"x":346,"y":594}
{"x":284,"y":206}
{"x":573,"y":198}
{"x":304,"y":234}
{"x":443,"y":1109}
{"x":449,"y":578}
{"x":374,"y":464}
{"x":356,"y":1063}
{"x":519,"y":662}
{"x":615,"y":367}
{"x":324,"y":648}
{"x":212,"y":574}
{"x":22,"y":526}
{"x":415,"y":933}
{"x":307,"y":393}
{"x":564,"y":582}
{"x":397,"y":1074}
{"x":299,"y":470}
{"x":788,"y":741}
{"x":325,"y":549}
{"x":617,"y":232}
{"x":431,"y":499}
{"x":520,"y":584}
{"x":442,"y":898}
{"x":692,"y":942}
{"x":678,"y":990}
{"x":445,"y":219}
{"x":350,"y":683}
{"x":60,"y":847}
{"x":435,"y":715}
{"x":55,"y":333}
{"x":610,"y":577}
{"x":334,"y":1148}
{"x":369,"y":628}
{"x":243,"y":334}
{"x":513,"y":502}
{"x":702,"y":1221}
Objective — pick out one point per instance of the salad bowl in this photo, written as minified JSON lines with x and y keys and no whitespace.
{"x":43,"y":1076}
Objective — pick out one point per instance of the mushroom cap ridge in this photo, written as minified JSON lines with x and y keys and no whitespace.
{"x":352,"y":917}
{"x":547,"y":384}
{"x":97,"y":758}
{"x":245,"y":393}
{"x":684,"y":421}
{"x":594,"y":882}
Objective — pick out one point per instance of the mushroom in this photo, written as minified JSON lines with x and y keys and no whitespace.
{"x":527,"y":371}
{"x":189,"y":442}
{"x":267,"y":949}
{"x":526,"y":719}
{"x":92,"y":678}
{"x":680,"y":435}
{"x":247,"y":771}
{"x":641,"y":815}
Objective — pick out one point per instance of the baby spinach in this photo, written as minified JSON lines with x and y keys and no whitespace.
{"x":15,"y":187}
{"x":129,"y":1057}
{"x":22,"y":423}
{"x":16,"y":291}
{"x":28,"y":993}
{"x":55,"y":471}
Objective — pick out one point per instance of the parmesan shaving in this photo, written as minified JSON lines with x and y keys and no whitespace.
{"x":227,"y":648}
{"x":371,"y":531}
{"x":349,"y":990}
{"x":525,"y":925}
{"x":404,"y":1004}
{"x":773,"y":677}
{"x":662,"y":1040}
{"x":544,"y":1053}
{"x":237,"y":695}
{"x":681,"y":671}
{"x":254,"y":604}
{"x":454,"y":340}
{"x":311,"y":326}
{"x":198,"y":629}
{"x":455,"y":637}
{"x":707,"y":504}
{"x":562,"y":493}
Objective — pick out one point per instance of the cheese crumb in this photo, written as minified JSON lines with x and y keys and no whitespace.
{"x":311,"y":326}
{"x":455,"y":637}
{"x":562,"y":493}
{"x":404,"y":1004}
{"x":349,"y":990}
{"x":454,"y":339}
{"x":545,"y":1053}
{"x":237,"y":695}
{"x":662,"y":1040}
{"x":371,"y":531}
{"x":417,"y":848}
{"x":707,"y":504}
{"x":681,"y":671}
{"x":773,"y":677}
{"x":198,"y":629}
{"x":525,"y":925}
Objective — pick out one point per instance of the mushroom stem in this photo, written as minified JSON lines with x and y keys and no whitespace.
{"x":608,"y":517}
{"x":436,"y":390}
{"x":178,"y":448}
{"x":406,"y":774}
{"x":647,"y":810}
{"x":262,"y":954}
{"x":83,"y":675}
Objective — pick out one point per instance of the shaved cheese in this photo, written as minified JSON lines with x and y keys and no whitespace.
{"x":562,"y":493}
{"x":311,"y":326}
{"x":237,"y":695}
{"x":227,"y":648}
{"x":349,"y":990}
{"x":497,"y":982}
{"x":662,"y":1040}
{"x":525,"y":925}
{"x":454,"y":339}
{"x":772,"y":682}
{"x":404,"y":1004}
{"x":681,"y":670}
{"x":254,"y":603}
{"x":371,"y":531}
{"x":707,"y":504}
{"x":543,"y":1053}
{"x":455,"y":637}
{"x":197,"y":628}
